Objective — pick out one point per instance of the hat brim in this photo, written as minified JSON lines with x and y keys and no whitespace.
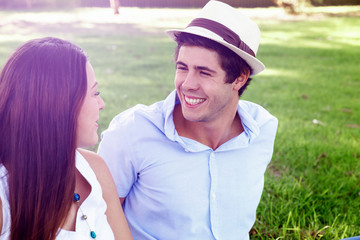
{"x":255,"y":65}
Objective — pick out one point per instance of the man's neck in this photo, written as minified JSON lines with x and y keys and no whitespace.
{"x":212,"y":134}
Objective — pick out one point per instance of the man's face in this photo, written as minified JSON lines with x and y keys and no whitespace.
{"x":201,"y":87}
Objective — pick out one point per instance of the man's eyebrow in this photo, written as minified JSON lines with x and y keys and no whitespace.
{"x":181,"y":63}
{"x":201,"y":68}
{"x":205,"y":68}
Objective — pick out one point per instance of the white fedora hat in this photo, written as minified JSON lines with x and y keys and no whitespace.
{"x":226,"y":25}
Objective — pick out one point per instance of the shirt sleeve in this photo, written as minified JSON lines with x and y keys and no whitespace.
{"x":115,"y":149}
{"x":268,"y":125}
{"x":261,"y":126}
{"x":269,"y":129}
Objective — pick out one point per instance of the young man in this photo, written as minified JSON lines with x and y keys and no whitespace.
{"x":192,"y":166}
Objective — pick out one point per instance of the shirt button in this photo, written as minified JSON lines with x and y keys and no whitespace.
{"x":212,"y":154}
{"x":214,"y":195}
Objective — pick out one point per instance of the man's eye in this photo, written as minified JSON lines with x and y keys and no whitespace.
{"x":181,"y":68}
{"x":205,"y":73}
{"x":97,"y":93}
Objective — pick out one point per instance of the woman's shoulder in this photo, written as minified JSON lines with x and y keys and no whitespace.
{"x":114,"y":212}
{"x":94,"y":160}
{"x":97,"y":164}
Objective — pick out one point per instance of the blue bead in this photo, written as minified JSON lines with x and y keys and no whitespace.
{"x":93,"y":234}
{"x":76,"y":197}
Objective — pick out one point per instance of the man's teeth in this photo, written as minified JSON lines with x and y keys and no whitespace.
{"x":193,"y":101}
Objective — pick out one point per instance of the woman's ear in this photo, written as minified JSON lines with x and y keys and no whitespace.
{"x":241,"y":80}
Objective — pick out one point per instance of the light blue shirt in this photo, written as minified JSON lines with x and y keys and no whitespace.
{"x":179,"y":189}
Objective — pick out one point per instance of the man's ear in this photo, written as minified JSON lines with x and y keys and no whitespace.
{"x":241,"y":80}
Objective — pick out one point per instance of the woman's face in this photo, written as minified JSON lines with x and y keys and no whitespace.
{"x":89,"y":112}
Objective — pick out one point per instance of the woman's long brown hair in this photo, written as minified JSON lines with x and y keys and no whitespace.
{"x":42,"y":87}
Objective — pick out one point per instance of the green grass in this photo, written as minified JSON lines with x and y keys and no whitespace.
{"x":312,"y":186}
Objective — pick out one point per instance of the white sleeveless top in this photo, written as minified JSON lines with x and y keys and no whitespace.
{"x":94,"y":207}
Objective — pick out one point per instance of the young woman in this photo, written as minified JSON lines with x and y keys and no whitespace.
{"x":49,"y":187}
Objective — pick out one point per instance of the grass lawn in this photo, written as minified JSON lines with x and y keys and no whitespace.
{"x":311,"y":84}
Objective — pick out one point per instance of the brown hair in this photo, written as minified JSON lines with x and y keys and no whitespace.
{"x":42,"y":87}
{"x":230,"y":62}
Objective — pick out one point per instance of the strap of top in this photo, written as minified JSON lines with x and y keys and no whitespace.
{"x":4,"y":196}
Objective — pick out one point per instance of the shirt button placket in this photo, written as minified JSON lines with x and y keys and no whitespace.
{"x":213,"y":186}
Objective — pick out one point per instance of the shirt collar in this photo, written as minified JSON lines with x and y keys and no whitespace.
{"x":251,"y":128}
{"x":168,"y":109}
